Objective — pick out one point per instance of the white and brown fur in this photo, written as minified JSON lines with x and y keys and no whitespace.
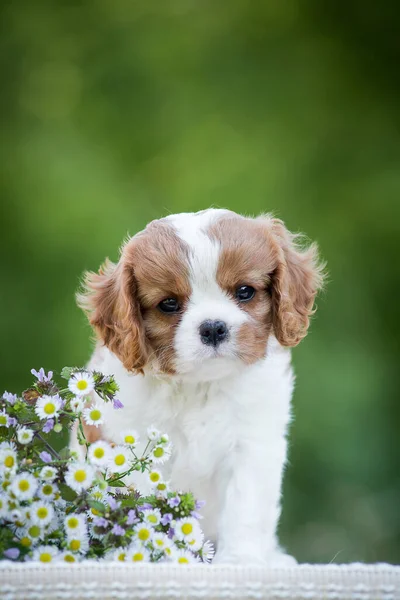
{"x":226,"y":409}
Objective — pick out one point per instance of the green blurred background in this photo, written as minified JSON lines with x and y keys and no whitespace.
{"x":116,"y":112}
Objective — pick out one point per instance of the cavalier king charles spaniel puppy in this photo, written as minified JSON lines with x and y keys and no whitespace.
{"x":196,"y":322}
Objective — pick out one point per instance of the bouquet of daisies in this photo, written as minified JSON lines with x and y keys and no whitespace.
{"x":55,"y":505}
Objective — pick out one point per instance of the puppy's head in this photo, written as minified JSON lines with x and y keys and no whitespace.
{"x":200,"y":294}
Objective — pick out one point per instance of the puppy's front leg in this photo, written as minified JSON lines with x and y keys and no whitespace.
{"x":250,"y":506}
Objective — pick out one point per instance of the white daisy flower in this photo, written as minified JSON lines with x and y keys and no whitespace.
{"x":81,"y":383}
{"x":24,"y":486}
{"x":207,"y":552}
{"x":48,"y":407}
{"x":160,"y":454}
{"x":186,"y":528}
{"x":155,"y":477}
{"x":41,"y":513}
{"x":8,"y":459}
{"x":153,"y":433}
{"x":48,"y":491}
{"x":68,"y":557}
{"x":162,"y":542}
{"x":48,"y":473}
{"x":75,"y":525}
{"x":79,"y":543}
{"x":45,"y":554}
{"x":184,"y":557}
{"x":77,"y":404}
{"x":4,"y":418}
{"x":152,"y":517}
{"x":118,"y":554}
{"x":24,"y":435}
{"x":144,"y":532}
{"x":35,"y":533}
{"x":129,"y":437}
{"x":99,"y":453}
{"x":161,"y":489}
{"x":79,"y":476}
{"x":93,"y":415}
{"x":137,"y":553}
{"x":195,"y":541}
{"x":120,"y":460}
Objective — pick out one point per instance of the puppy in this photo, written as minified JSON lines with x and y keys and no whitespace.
{"x":195,"y":321}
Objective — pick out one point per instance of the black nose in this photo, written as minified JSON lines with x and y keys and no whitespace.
{"x":213,"y":333}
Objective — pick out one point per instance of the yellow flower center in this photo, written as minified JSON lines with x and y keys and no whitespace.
{"x":9,"y":462}
{"x":119,"y":460}
{"x":73,"y":523}
{"x":129,"y":439}
{"x":45,"y":557}
{"x":25,"y":541}
{"x":158,"y":452}
{"x":34,"y":531}
{"x":187,"y":528}
{"x":152,"y":519}
{"x":49,"y":408}
{"x":183,"y":560}
{"x":160,"y":543}
{"x":143,"y":534}
{"x":99,"y":452}
{"x":75,"y":545}
{"x":47,"y":489}
{"x":137,"y":557}
{"x":154,"y":477}
{"x":121,"y":556}
{"x":42,"y":512}
{"x":94,"y":512}
{"x":69,"y":558}
{"x":80,"y":475}
{"x":24,"y":485}
{"x":95,"y":414}
{"x":3,"y":420}
{"x":81,"y":385}
{"x":161,"y":487}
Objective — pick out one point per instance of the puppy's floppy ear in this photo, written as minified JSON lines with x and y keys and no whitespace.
{"x":109,"y":298}
{"x":295,"y":282}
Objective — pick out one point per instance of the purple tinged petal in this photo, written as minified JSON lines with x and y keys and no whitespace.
{"x":113,"y":504}
{"x":48,"y":426}
{"x":10,"y":398}
{"x":100,"y":522}
{"x":146,"y":506}
{"x":117,"y":404}
{"x":171,"y":533}
{"x":118,"y":530}
{"x":12,"y":553}
{"x":132,"y":518}
{"x":45,"y":456}
{"x":173,"y":502}
{"x":12,"y":422}
{"x":199,"y":504}
{"x":196,"y":515}
{"x":166,"y":519}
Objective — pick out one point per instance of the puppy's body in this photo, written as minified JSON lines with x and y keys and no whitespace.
{"x":214,"y":373}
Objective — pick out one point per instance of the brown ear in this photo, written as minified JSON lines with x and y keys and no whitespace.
{"x":109,"y":300}
{"x":295,"y":283}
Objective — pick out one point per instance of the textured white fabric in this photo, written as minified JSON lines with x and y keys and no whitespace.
{"x":113,"y":581}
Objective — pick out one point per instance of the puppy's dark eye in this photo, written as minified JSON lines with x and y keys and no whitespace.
{"x":169,"y":305}
{"x":244,"y":293}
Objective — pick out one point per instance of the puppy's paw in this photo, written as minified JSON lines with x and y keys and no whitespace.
{"x":280,"y":560}
{"x":275,"y":560}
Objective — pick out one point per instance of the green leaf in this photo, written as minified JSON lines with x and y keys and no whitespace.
{"x":99,"y":506}
{"x":67,"y":372}
{"x":66,"y":493}
{"x":116,"y":483}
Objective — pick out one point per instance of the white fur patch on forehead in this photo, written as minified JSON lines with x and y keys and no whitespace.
{"x":192,"y":228}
